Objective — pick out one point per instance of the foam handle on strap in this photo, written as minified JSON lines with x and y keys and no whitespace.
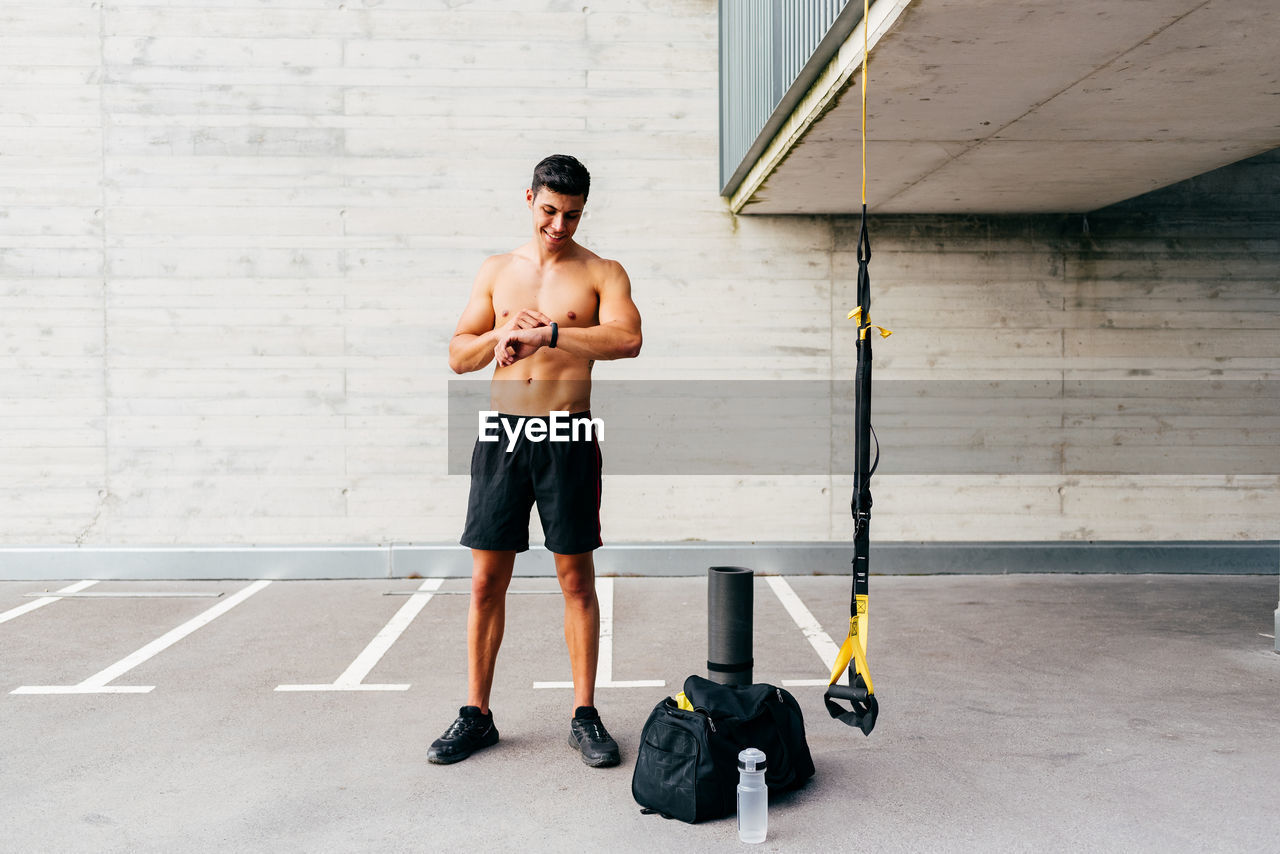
{"x":847,"y":692}
{"x":864,"y":709}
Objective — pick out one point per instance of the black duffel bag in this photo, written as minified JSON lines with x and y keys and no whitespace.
{"x":687,"y":764}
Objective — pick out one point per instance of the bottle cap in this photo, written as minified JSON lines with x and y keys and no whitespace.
{"x":751,"y":759}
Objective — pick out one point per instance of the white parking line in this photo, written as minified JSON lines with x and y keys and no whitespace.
{"x":97,"y":683}
{"x":604,"y":665}
{"x":812,"y":629}
{"x":352,"y":678}
{"x":135,"y":594}
{"x":44,"y":600}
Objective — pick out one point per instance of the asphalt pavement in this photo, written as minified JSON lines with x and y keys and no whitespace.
{"x":1018,"y":713}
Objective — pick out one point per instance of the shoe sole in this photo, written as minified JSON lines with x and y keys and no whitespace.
{"x":601,"y":762}
{"x":437,"y":759}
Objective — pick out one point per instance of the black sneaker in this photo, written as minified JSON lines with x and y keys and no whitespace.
{"x":588,"y":735}
{"x":470,"y":732}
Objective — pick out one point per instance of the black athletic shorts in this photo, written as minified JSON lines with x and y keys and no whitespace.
{"x":563,"y":478}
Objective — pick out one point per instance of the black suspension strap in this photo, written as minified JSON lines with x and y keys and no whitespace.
{"x":859,"y":691}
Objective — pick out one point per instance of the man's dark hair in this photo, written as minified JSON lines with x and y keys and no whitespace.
{"x":561,"y":174}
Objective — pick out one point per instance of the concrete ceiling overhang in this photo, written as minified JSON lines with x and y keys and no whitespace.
{"x":1026,"y":106}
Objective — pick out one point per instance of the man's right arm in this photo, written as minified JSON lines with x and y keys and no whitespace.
{"x":471,"y":347}
{"x":473,"y":342}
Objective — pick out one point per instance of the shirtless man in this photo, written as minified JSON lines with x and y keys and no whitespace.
{"x":546,"y":312}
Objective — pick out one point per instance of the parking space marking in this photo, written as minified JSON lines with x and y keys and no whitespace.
{"x":44,"y":600}
{"x":352,"y":679}
{"x":604,"y":665}
{"x":808,"y":624}
{"x":98,"y":683}
{"x":134,"y":594}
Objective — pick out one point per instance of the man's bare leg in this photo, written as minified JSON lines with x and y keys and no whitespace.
{"x":490,"y":576}
{"x":474,"y":730}
{"x":577,"y":576}
{"x":587,"y":733}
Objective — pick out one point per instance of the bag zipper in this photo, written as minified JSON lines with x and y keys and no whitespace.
{"x":706,"y":715}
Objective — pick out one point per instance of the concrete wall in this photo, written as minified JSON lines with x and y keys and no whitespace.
{"x":1165,"y":305}
{"x":235,"y":238}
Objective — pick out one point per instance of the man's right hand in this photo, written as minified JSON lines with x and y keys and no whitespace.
{"x":526,"y":318}
{"x":510,"y":349}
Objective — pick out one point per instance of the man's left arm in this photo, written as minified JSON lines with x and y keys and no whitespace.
{"x":617,"y":337}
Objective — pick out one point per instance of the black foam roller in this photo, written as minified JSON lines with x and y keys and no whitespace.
{"x":729,"y":625}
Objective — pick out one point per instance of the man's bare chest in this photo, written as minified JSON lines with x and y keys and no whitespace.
{"x":568,"y":300}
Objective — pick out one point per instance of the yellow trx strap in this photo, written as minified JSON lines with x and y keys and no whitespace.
{"x":866,"y":25}
{"x":855,"y":313}
{"x":852,"y":656}
{"x":854,"y":647}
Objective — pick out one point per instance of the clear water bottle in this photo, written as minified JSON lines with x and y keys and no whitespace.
{"x":753,"y":796}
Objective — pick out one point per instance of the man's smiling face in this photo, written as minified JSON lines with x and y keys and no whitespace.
{"x":555,"y":217}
